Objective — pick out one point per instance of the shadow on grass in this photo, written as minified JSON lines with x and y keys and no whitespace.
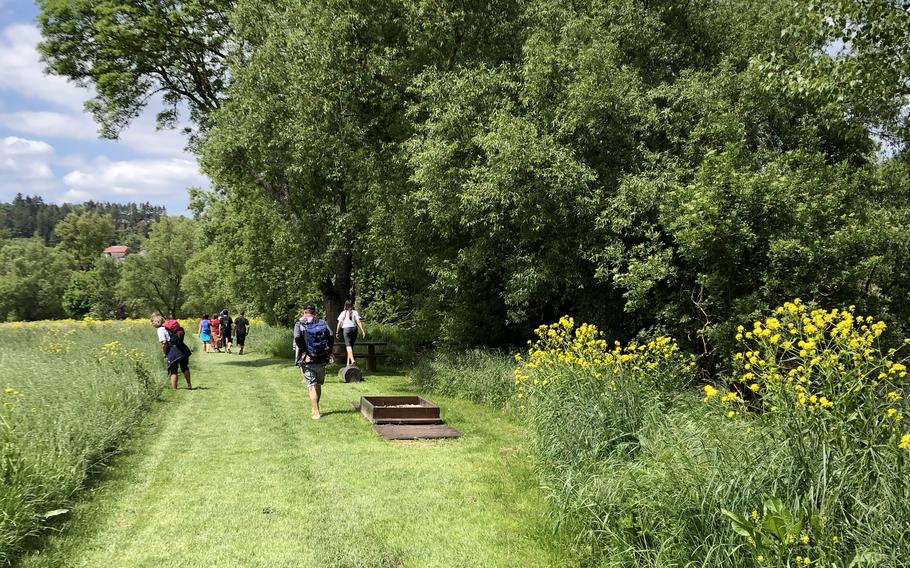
{"x":330,"y":412}
{"x":255,"y":363}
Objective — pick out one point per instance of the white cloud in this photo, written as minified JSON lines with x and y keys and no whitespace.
{"x":23,"y":72}
{"x":50,"y":124}
{"x":23,"y":160}
{"x":52,"y":108}
{"x":153,"y":180}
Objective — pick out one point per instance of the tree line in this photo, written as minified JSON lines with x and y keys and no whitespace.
{"x":75,"y":279}
{"x":29,"y":216}
{"x":477,"y":167}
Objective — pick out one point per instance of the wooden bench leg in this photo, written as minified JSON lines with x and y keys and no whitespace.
{"x":371,"y":358}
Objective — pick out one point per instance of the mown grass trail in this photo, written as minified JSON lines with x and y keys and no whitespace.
{"x":236,"y":473}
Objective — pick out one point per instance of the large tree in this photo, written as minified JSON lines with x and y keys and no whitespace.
{"x":84,"y":236}
{"x":32,"y":281}
{"x":153,"y":279}
{"x":316,"y":114}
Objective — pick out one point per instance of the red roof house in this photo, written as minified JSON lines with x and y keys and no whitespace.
{"x":117,"y":251}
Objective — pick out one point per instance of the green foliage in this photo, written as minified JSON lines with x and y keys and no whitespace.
{"x":80,"y":294}
{"x":206,"y":283}
{"x":107,"y":301}
{"x":275,"y":341}
{"x":667,"y":167}
{"x":30,"y":216}
{"x":131,"y":51}
{"x":70,"y":392}
{"x":94,"y":292}
{"x":153,"y":280}
{"x":33,"y":280}
{"x":84,"y":236}
{"x":248,"y":257}
{"x":643,"y":473}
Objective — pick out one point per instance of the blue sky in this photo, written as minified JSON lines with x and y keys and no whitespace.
{"x":49,"y":146}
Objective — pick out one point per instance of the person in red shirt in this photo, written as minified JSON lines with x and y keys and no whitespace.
{"x":216,"y":333}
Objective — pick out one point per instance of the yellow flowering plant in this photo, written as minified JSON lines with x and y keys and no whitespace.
{"x":781,"y":537}
{"x":562,"y":345}
{"x":597,"y":391}
{"x":824,"y":387}
{"x":822,"y":365}
{"x":125,"y":361}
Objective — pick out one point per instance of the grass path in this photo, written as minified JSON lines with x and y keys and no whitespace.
{"x":237,"y":474}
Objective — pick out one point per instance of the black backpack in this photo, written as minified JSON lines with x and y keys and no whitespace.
{"x":240,"y":325}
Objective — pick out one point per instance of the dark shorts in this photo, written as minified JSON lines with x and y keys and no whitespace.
{"x":350,"y":336}
{"x":183,"y":364}
{"x":226,"y":336}
{"x":241,"y":338}
{"x":313,"y":374}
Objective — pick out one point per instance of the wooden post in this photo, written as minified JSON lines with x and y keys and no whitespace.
{"x":371,"y":358}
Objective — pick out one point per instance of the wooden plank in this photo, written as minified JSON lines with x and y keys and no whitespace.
{"x":414,"y":432}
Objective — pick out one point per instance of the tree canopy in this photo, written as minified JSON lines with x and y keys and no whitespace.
{"x":648,"y":166}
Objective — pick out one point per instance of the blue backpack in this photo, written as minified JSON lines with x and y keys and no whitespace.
{"x":317,"y":341}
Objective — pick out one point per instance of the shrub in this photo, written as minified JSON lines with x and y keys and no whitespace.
{"x":274,"y":341}
{"x":798,"y":459}
{"x":401,"y":342}
{"x":574,"y":376}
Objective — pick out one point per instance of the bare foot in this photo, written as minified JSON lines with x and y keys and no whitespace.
{"x":315,"y":416}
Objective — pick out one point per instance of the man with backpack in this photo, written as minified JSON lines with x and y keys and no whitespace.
{"x":242,"y":327}
{"x":226,"y":324}
{"x":314,"y":341}
{"x":176,"y":353}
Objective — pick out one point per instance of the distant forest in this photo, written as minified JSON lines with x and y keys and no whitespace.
{"x":30,"y":216}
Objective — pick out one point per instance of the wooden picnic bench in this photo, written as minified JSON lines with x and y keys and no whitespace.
{"x":370,"y":355}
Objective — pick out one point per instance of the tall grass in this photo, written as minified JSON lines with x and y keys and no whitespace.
{"x":274,"y":341}
{"x":69,"y":393}
{"x":801,"y":459}
{"x":798,"y":460}
{"x":483,"y":376}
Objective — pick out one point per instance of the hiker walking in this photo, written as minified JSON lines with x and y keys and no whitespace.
{"x":205,"y":333}
{"x":314,"y":341}
{"x":176,"y":353}
{"x":348,"y":322}
{"x":216,"y":333}
{"x":226,"y":324}
{"x":242,"y":327}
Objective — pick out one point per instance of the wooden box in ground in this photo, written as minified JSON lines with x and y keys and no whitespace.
{"x":399,"y":410}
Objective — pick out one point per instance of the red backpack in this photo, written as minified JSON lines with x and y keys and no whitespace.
{"x":174,"y":331}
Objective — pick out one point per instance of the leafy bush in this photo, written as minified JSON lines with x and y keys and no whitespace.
{"x":479,"y":375}
{"x":401,"y":342}
{"x":70,"y":392}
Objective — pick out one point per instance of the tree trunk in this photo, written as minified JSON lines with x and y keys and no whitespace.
{"x":335,"y":292}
